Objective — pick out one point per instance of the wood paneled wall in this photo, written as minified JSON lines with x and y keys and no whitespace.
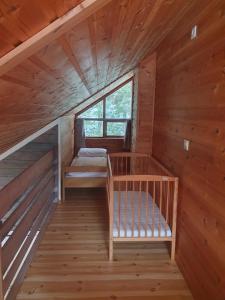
{"x":143,"y":108}
{"x":190,"y":104}
{"x":66,"y":138}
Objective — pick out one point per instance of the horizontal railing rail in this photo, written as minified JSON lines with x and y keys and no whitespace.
{"x":25,"y":206}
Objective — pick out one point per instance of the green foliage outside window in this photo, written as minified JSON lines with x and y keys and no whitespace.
{"x":116,"y":128}
{"x":118,"y":106}
{"x":95,"y":111}
{"x":93,"y":128}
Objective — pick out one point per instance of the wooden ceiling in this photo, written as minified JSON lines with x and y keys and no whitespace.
{"x":21,"y":19}
{"x":76,"y":65}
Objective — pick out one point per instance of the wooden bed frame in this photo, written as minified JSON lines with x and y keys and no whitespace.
{"x":82,"y":182}
{"x":133,"y":173}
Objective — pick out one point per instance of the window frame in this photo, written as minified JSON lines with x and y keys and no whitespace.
{"x":106,"y":120}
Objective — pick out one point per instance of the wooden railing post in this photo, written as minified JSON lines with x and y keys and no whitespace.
{"x":111,"y":217}
{"x":1,"y":269}
{"x":174,"y":222}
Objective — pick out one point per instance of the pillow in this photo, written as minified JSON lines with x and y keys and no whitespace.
{"x":89,"y":161}
{"x":92,"y":152}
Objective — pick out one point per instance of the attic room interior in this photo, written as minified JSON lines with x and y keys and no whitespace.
{"x":112,"y":149}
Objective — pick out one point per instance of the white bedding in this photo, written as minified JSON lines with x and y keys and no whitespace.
{"x":86,"y":174}
{"x":92,"y":152}
{"x":89,"y":161}
{"x":159,"y":231}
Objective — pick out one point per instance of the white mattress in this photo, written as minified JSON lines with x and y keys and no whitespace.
{"x":161,"y":230}
{"x":92,"y":152}
{"x":89,"y":161}
{"x":86,"y":174}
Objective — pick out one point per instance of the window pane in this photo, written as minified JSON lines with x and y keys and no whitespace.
{"x":93,"y":128}
{"x":118,"y":104}
{"x":116,"y":128}
{"x":95,"y":111}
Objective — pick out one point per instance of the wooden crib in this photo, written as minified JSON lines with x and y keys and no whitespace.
{"x":142,"y":200}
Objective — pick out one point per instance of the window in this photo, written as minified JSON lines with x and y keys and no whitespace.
{"x":109,"y":116}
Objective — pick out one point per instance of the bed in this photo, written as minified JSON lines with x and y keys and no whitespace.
{"x":87,"y":170}
{"x":142,"y":200}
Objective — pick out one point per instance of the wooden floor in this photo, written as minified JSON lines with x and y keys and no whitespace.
{"x":72,"y":260}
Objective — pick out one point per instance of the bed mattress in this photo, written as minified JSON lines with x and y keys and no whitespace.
{"x":161,"y":229}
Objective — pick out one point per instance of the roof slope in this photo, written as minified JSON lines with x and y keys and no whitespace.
{"x":77,"y":64}
{"x":21,"y":19}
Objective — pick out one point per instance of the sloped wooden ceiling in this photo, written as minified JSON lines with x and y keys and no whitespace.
{"x":20,"y":19}
{"x":94,"y":53}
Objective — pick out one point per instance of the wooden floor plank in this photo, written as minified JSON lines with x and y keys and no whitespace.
{"x":72,"y":260}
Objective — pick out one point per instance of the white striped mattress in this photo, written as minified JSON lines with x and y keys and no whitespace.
{"x":161,"y":229}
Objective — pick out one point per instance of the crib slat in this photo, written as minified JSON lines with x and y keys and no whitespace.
{"x":153,"y":210}
{"x":132,"y":209}
{"x":122,"y":166}
{"x":119,"y":204}
{"x":160,"y":205}
{"x":139,"y":210}
{"x":167,"y":204}
{"x":146,"y":210}
{"x":126,"y":207}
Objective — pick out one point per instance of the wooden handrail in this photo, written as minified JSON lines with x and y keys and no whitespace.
{"x":19,"y":184}
{"x":155,"y":178}
{"x":26,"y":202}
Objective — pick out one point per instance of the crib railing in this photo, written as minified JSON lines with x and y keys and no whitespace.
{"x":127,"y":163}
{"x":142,"y":206}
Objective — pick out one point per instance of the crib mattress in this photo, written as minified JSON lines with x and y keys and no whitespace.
{"x":161,"y":229}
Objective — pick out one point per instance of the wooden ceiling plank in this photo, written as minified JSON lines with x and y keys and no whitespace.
{"x":139,"y":15}
{"x":129,"y":26}
{"x":120,"y":13}
{"x":10,"y":22}
{"x":104,"y":29}
{"x":73,"y":60}
{"x":92,"y":34}
{"x":55,"y":74}
{"x":50,"y":33}
{"x":17,"y":81}
{"x":79,"y":40}
{"x":136,"y":46}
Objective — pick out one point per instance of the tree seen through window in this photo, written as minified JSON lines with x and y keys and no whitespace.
{"x":109,"y":116}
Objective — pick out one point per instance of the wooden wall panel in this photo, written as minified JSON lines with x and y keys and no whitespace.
{"x":144,"y":98}
{"x":190,"y":104}
{"x":66,"y":138}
